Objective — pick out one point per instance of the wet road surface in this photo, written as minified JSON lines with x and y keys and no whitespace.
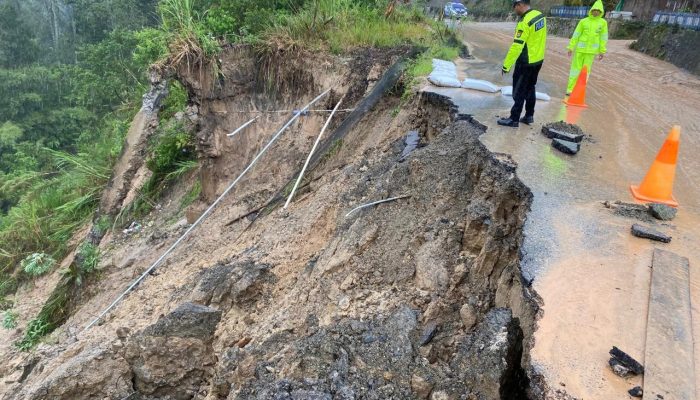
{"x":592,"y":275}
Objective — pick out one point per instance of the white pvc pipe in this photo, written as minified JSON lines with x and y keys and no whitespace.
{"x":205,"y":214}
{"x":375,"y":203}
{"x":232,"y":134}
{"x":313,"y":149}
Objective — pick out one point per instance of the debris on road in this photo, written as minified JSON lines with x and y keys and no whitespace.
{"x":645,"y":232}
{"x":662,"y":211}
{"x":562,"y":126}
{"x":623,"y":365}
{"x":630,"y":210}
{"x":636,"y":391}
{"x":563,"y":135}
{"x":565,"y":146}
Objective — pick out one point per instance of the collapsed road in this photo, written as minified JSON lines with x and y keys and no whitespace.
{"x":592,"y":275}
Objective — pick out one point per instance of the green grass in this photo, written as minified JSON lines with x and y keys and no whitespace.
{"x":9,"y":319}
{"x":423,"y":66}
{"x":191,"y":196}
{"x":342,"y":25}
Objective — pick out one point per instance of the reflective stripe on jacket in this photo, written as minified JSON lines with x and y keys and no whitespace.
{"x":530,"y":41}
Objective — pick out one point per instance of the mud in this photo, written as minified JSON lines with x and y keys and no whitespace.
{"x":313,"y":304}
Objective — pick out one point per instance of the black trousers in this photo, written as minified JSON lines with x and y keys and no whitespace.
{"x":524,"y":81}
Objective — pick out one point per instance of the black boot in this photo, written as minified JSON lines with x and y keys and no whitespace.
{"x":508,"y":122}
{"x":527,"y":120}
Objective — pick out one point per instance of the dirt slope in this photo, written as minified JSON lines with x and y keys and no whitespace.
{"x":417,"y":298}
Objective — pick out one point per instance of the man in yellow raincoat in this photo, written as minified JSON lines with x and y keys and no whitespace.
{"x":589,"y":40}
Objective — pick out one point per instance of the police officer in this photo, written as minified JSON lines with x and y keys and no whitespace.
{"x":527,"y":53}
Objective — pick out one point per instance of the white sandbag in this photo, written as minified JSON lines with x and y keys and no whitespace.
{"x":444,"y":80}
{"x":481,"y":85}
{"x":508,"y":91}
{"x":543,"y":96}
{"x":443,"y":63}
{"x":444,"y":66}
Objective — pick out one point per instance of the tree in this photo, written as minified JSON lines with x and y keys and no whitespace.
{"x":18,"y":44}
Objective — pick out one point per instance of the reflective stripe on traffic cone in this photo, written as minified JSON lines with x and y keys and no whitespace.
{"x":657,"y":186}
{"x":578,"y":96}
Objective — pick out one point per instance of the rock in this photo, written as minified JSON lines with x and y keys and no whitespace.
{"x":174,"y":357}
{"x":441,"y":395}
{"x":225,"y":284}
{"x":421,"y":386}
{"x":187,"y":321}
{"x":428,"y":334}
{"x":489,"y":357}
{"x":344,"y":303}
{"x":625,"y":360}
{"x":123,"y":332}
{"x":644,"y":232}
{"x":619,"y":369}
{"x":662,"y":211}
{"x":558,"y":134}
{"x":468,"y":315}
{"x":431,"y":269}
{"x":565,"y":146}
{"x":84,"y":377}
{"x":636,"y":391}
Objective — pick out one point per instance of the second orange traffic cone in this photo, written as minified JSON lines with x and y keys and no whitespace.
{"x":657,"y":186}
{"x":578,"y":96}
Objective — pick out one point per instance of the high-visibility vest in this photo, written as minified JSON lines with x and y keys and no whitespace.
{"x":591,"y":35}
{"x":530,"y":41}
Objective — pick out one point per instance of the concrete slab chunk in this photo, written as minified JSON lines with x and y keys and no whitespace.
{"x":565,"y":146}
{"x":557,"y":134}
{"x":645,"y":232}
{"x":669,"y":365}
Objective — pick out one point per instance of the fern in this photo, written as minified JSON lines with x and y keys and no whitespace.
{"x":37,"y":264}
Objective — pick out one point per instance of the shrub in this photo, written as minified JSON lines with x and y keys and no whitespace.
{"x":9,"y":319}
{"x":37,"y":264}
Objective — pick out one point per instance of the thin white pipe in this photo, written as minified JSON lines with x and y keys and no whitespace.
{"x":375,"y":203}
{"x":232,"y":134}
{"x":205,"y":214}
{"x":313,"y":150}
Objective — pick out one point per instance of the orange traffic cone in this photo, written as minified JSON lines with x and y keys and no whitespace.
{"x":578,"y":96}
{"x":657,"y":186}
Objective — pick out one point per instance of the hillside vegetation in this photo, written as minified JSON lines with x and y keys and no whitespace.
{"x":72,"y":86}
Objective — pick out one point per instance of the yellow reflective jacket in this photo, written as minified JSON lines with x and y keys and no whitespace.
{"x":591,"y":35}
{"x":530,"y":41}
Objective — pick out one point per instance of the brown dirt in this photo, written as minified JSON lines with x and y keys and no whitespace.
{"x":446,"y":256}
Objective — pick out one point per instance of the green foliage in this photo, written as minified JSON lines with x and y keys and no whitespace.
{"x":37,"y":264}
{"x":175,"y":102}
{"x":172,"y":146}
{"x":89,"y":256}
{"x":423,"y":65}
{"x":152,"y":46}
{"x":192,"y":195}
{"x":190,"y":43}
{"x":345,"y":24}
{"x":18,"y":44}
{"x":55,"y":311}
{"x":9,"y":319}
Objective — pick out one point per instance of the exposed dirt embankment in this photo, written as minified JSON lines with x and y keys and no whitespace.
{"x":412,"y":299}
{"x":677,"y":46}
